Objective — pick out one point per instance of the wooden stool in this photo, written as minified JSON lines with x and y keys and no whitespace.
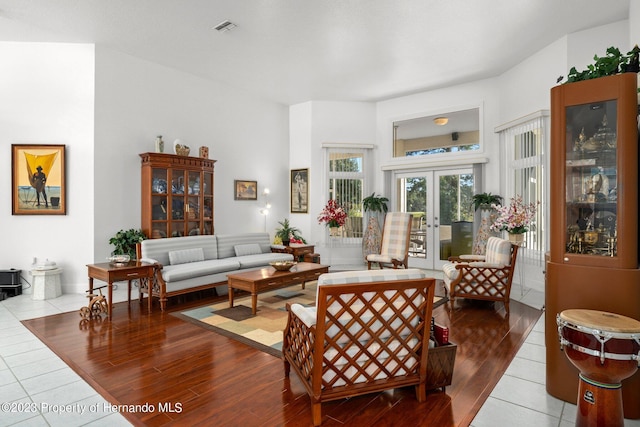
{"x":312,"y":258}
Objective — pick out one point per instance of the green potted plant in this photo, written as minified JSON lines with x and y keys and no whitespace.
{"x":125,"y":242}
{"x":286,"y":232}
{"x":375,"y":203}
{"x":485,"y":199}
{"x":614,"y":62}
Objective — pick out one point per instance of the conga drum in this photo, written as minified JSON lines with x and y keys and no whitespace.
{"x":605,"y":347}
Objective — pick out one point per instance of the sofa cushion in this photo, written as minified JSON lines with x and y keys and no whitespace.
{"x":262,"y":260}
{"x":227,"y":242}
{"x":158,"y":249}
{"x":173,"y":273}
{"x":185,"y":256}
{"x":247,"y":249}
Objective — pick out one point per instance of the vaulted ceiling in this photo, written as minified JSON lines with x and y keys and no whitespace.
{"x":292,"y":51}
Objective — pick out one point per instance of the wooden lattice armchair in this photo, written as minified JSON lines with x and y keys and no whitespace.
{"x":394,"y":249}
{"x":368,"y":332}
{"x":484,"y":277}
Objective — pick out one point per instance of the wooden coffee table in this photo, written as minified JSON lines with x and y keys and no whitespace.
{"x":267,"y":278}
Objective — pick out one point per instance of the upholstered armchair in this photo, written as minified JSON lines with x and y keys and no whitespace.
{"x":483,"y":277}
{"x":394,"y":249}
{"x":368,"y":332}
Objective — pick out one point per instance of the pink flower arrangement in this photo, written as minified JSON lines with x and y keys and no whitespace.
{"x":516,"y":217}
{"x":333,"y":214}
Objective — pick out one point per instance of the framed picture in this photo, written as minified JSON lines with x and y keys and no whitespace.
{"x":38,"y":180}
{"x":245,"y":190}
{"x":299,"y":190}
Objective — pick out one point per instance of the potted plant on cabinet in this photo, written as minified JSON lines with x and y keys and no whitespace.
{"x":376,"y":206}
{"x":286,"y":232}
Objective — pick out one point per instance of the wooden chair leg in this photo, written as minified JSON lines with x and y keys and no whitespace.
{"x":287,"y":368}
{"x":421,"y":392}
{"x":316,"y":413}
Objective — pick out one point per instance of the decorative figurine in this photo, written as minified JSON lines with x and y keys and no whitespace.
{"x":159,"y":144}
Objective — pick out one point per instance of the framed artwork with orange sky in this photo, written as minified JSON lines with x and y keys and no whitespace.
{"x":38,"y":179}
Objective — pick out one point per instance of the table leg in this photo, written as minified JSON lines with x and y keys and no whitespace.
{"x":90,"y":285}
{"x":230,"y":297}
{"x":254,"y":302}
{"x":150,"y":282}
{"x":110,"y":293}
{"x":129,"y":293}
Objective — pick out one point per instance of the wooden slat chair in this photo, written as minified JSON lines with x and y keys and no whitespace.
{"x":483,"y":277}
{"x":368,"y":332}
{"x":394,"y":249}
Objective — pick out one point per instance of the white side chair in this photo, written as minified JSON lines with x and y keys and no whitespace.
{"x":396,"y":234}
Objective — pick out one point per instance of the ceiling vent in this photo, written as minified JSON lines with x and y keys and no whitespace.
{"x":225,"y":26}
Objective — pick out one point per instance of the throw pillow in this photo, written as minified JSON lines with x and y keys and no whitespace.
{"x":248,"y":249}
{"x":186,"y":255}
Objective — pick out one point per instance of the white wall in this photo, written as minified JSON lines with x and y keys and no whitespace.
{"x":47,"y":97}
{"x":312,"y":124}
{"x":137,"y":100}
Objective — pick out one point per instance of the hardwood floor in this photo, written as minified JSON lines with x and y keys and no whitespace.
{"x":202,"y":378}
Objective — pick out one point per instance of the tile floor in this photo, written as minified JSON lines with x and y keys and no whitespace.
{"x":41,"y":390}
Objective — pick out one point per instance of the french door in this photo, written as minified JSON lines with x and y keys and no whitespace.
{"x":441,"y":204}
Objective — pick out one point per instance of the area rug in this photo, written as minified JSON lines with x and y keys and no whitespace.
{"x":264,"y":330}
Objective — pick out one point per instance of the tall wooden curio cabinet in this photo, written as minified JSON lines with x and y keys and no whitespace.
{"x":177,"y":195}
{"x":593,"y":259}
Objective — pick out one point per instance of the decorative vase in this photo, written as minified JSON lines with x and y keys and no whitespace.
{"x":484,"y":230}
{"x":159,"y":144}
{"x":516,"y":238}
{"x":334,"y":231}
{"x":372,"y":238}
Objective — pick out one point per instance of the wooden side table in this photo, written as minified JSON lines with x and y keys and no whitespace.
{"x":298,"y":250}
{"x":110,"y":273}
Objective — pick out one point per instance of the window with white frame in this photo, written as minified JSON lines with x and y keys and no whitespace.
{"x":525,"y":145}
{"x":346,"y":181}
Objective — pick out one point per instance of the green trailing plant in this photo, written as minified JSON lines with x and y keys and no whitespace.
{"x":375,"y":203}
{"x":286,"y":232}
{"x":614,"y":62}
{"x":485,"y":199}
{"x":125,"y":242}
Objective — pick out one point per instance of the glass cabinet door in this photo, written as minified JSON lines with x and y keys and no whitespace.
{"x":591,"y":179}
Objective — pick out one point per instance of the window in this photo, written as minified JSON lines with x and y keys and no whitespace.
{"x":346,"y":185}
{"x":525,"y":145}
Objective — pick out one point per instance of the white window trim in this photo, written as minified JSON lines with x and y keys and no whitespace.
{"x":510,"y":164}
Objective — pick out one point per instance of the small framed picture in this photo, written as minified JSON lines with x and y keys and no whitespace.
{"x":245,"y":190}
{"x":299,"y":190}
{"x":38,"y":179}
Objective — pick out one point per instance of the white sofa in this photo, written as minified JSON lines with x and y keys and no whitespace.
{"x":193,"y":263}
